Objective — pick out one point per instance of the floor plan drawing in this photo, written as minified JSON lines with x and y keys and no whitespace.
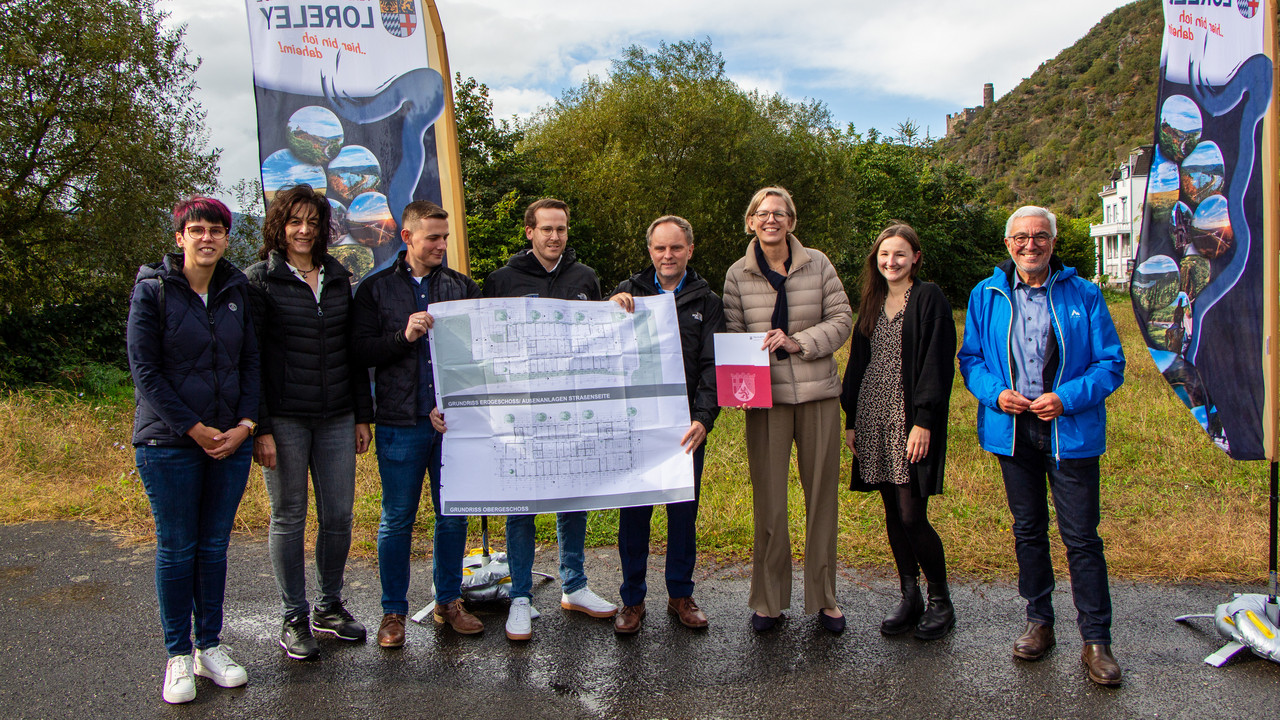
{"x":560,"y":405}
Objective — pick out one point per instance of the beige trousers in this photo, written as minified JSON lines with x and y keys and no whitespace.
{"x":815,"y":428}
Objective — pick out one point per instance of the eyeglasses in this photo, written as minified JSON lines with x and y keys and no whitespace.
{"x":217,"y":232}
{"x":766,"y":214}
{"x":549,"y":231}
{"x":1023,"y":240}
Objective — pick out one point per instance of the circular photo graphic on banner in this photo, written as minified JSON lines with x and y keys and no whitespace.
{"x":1202,"y":174}
{"x":282,"y":170}
{"x":1211,"y":228}
{"x":369,"y":220}
{"x":354,"y":171}
{"x":1154,"y":288}
{"x":1162,"y":190}
{"x":1195,"y":275}
{"x":1180,"y":225}
{"x":355,"y":257}
{"x":315,"y":134}
{"x":1180,"y":127}
{"x":337,"y":222}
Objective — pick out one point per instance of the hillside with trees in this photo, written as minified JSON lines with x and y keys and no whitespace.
{"x":1054,"y":138}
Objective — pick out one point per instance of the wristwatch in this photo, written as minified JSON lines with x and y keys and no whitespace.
{"x":253,"y":426}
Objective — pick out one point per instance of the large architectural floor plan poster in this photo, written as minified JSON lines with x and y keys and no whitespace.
{"x":556,"y":405}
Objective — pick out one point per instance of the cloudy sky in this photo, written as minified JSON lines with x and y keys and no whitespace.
{"x":874,"y":63}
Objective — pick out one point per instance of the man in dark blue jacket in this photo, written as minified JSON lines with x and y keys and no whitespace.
{"x":390,"y":323}
{"x":1041,"y":355}
{"x":700,"y":314}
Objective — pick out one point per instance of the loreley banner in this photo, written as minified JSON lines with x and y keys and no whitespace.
{"x":742,"y":371}
{"x":1197,"y":288}
{"x":354,"y":99}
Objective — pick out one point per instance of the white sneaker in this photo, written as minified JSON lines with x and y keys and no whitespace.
{"x":218,"y":666}
{"x":585,"y":601}
{"x":179,"y":684}
{"x":519,"y":624}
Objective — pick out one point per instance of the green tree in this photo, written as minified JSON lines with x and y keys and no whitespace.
{"x":99,"y":137}
{"x":667,"y":132}
{"x":897,"y":180}
{"x":499,"y":179}
{"x":1075,"y":247}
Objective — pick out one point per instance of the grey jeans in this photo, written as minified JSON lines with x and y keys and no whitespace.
{"x":326,"y":448}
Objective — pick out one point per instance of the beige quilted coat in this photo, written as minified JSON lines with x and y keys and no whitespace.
{"x":819,"y":316}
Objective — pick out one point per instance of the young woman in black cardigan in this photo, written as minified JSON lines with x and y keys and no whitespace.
{"x":897,"y":389}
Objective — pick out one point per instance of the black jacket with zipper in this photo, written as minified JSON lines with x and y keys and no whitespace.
{"x":308,"y":369}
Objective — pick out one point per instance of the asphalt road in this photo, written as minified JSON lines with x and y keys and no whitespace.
{"x":81,"y":639}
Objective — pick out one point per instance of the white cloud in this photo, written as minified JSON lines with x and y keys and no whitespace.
{"x":520,"y":102}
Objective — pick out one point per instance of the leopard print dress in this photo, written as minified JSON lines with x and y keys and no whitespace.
{"x":879,"y":430}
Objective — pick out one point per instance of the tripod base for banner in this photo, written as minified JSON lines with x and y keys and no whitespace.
{"x":485,"y":577}
{"x":1251,"y":621}
{"x":1248,"y":622}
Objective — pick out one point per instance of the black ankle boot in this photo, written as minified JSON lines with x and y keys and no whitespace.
{"x":908,"y":611}
{"x":940,"y":616}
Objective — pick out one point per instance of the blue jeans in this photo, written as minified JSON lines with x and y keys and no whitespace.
{"x":193,"y":500}
{"x":1076,"y":497}
{"x":327,"y":449}
{"x":571,"y":532}
{"x":682,"y":543}
{"x":407,"y":453}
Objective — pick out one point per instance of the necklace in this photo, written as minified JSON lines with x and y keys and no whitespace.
{"x":305,"y":273}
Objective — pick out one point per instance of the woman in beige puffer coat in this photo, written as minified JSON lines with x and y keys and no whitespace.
{"x":793,"y":295}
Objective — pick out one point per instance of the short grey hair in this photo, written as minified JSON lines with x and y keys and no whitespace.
{"x":1032,"y":211}
{"x":676,"y":220}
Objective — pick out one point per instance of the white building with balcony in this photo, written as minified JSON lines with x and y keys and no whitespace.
{"x":1115,"y":239}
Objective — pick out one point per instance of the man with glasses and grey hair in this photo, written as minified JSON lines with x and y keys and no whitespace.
{"x":700,"y":314}
{"x":1041,"y":355}
{"x":549,"y":269}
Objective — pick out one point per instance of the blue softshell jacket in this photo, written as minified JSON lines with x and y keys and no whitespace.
{"x":1090,"y":364}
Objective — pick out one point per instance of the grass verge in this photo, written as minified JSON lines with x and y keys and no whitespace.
{"x":1174,"y":507}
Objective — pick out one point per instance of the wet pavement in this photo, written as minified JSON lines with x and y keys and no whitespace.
{"x":81,"y":639}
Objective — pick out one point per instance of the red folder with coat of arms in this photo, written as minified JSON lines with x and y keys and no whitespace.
{"x":742,"y":371}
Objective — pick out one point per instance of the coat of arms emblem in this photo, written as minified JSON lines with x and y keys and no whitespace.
{"x":744,"y":386}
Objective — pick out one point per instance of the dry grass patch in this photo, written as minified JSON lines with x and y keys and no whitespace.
{"x":1174,"y":507}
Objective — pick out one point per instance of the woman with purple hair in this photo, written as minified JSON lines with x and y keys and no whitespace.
{"x":194,"y":360}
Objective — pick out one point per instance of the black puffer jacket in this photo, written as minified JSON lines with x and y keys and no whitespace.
{"x":307,"y":366}
{"x":524,"y":276}
{"x":384,"y":301}
{"x":191,"y":363}
{"x":701,"y":315}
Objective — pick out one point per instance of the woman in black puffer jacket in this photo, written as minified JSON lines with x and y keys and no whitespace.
{"x":315,"y":411}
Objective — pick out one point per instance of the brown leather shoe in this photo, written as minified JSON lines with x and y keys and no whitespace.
{"x":458,"y":618}
{"x":627,"y":622}
{"x":691,"y":616}
{"x":1103,"y":668}
{"x":1035,"y":642}
{"x":391,"y":631}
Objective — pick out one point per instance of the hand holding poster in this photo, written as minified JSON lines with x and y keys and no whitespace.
{"x":557,"y":405}
{"x":742,"y":371}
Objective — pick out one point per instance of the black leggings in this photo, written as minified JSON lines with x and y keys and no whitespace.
{"x":915,"y":544}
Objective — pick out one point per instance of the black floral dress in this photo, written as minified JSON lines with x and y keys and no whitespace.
{"x":879,"y":430}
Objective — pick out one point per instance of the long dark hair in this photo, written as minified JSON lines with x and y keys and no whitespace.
{"x":278,"y":217}
{"x":874,"y":286}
